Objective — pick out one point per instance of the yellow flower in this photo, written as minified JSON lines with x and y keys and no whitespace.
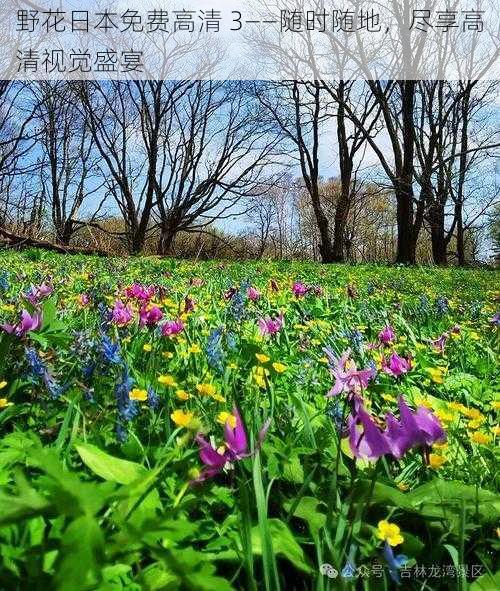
{"x":495,"y":404}
{"x":474,"y":336}
{"x":226,"y":417}
{"x":323,"y":360}
{"x":261,"y":358}
{"x":181,"y":418}
{"x":4,"y":403}
{"x":390,"y":533}
{"x":437,"y":374}
{"x":147,"y":347}
{"x":194,"y":349}
{"x":168,"y":354}
{"x":445,"y":417}
{"x":480,"y":438}
{"x":403,"y":487}
{"x":233,"y":366}
{"x":458,"y":406}
{"x":388,"y":398}
{"x":219,"y":398}
{"x":206,"y":389}
{"x":436,"y":461}
{"x":182,"y":395}
{"x":476,"y":423}
{"x":137,"y":394}
{"x":167,"y":380}
{"x":2,"y":385}
{"x":424,"y":402}
{"x":279,"y":367}
{"x":496,"y":431}
{"x":471,"y":413}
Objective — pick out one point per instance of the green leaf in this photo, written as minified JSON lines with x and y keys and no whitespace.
{"x":108,"y":467}
{"x":293,"y":471}
{"x":308,"y":510}
{"x":82,"y":554}
{"x":486,"y":582}
{"x":284,"y":544}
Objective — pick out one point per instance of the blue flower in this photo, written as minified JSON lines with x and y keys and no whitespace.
{"x":441,"y":305}
{"x":4,"y":281}
{"x":110,"y":351}
{"x":395,"y":563}
{"x":153,"y":398}
{"x":127,"y":408}
{"x":215,"y":354}
{"x":40,"y":370}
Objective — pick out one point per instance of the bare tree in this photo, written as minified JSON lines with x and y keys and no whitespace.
{"x":68,"y":170}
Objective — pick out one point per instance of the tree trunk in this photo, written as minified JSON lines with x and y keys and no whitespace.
{"x":406,"y":244}
{"x":166,"y":241}
{"x":346,"y":166}
{"x":407,"y":238}
{"x":438,"y":235}
{"x":460,"y":234}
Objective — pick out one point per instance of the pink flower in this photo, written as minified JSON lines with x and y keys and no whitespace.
{"x":36,"y":294}
{"x":149,"y":315}
{"x":27,"y":324}
{"x":121,"y":315}
{"x":386,"y":336}
{"x":140,"y":292}
{"x":348,"y":378}
{"x":270,"y":326}
{"x":83,"y":299}
{"x":440,"y":343}
{"x":420,"y":428}
{"x":299,"y":290}
{"x":396,"y":366}
{"x":235,"y":447}
{"x":172,"y":327}
{"x":253,"y":294}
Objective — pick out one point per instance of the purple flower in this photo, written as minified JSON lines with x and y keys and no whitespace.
{"x":347,"y":376}
{"x":420,"y":428}
{"x":172,"y":327}
{"x":36,"y":294}
{"x":121,"y":314}
{"x":84,"y":299}
{"x":386,"y":336}
{"x":496,"y":319}
{"x":214,"y":460}
{"x":271,"y":326}
{"x":299,"y":290}
{"x":27,"y":323}
{"x":235,"y":447}
{"x":440,"y":343}
{"x":396,"y":365}
{"x":414,"y":429}
{"x":149,"y":315}
{"x":140,"y":292}
{"x":369,"y":442}
{"x":253,"y":294}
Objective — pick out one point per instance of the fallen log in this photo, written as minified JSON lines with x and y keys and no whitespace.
{"x":13,"y":240}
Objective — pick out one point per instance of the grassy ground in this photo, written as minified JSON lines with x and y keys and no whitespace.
{"x":133,"y":396}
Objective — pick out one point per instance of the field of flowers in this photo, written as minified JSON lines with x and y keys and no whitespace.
{"x":211,"y":426}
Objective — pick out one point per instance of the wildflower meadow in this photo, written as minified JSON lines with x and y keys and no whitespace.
{"x":177,"y":425}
